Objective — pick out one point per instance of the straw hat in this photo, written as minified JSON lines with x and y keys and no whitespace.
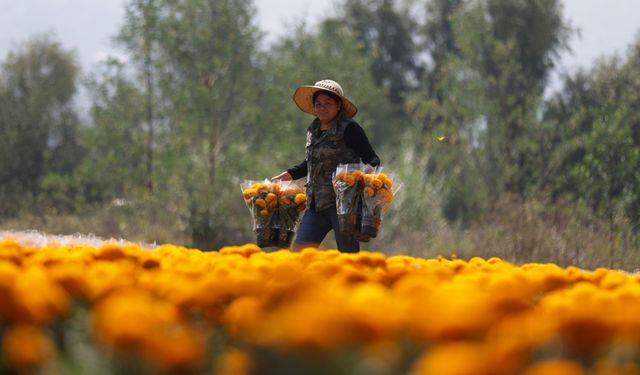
{"x":304,"y":96}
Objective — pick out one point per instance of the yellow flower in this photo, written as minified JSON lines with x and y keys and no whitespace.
{"x":369,"y":191}
{"x":70,"y":276}
{"x":456,"y":358}
{"x":243,"y":315}
{"x":350,"y":180}
{"x":175,"y":348}
{"x":285,"y":200}
{"x":264,"y":212}
{"x":275,"y":187}
{"x":271,"y":197}
{"x":248,"y":193}
{"x":234,"y":362}
{"x":555,"y":367}
{"x":136,"y":321}
{"x":109,"y":251}
{"x":300,"y":198}
{"x":261,"y":202}
{"x":39,"y":297}
{"x":260,"y":187}
{"x":26,"y":348}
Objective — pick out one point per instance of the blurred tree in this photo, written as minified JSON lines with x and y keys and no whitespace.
{"x":139,"y":36}
{"x":201,"y":56}
{"x":594,"y":130}
{"x":489,"y":62}
{"x":513,"y":46}
{"x":37,"y":121}
{"x":385,"y":29}
{"x":439,"y":44}
{"x":115,"y":165}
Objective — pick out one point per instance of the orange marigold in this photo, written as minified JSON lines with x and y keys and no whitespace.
{"x":26,"y":348}
{"x":300,"y":198}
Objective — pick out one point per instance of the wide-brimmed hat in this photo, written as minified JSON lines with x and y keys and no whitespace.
{"x":303,"y":96}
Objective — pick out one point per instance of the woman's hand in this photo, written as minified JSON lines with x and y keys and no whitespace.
{"x":284,"y":176}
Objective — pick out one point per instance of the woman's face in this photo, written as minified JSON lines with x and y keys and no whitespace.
{"x":326,"y":108}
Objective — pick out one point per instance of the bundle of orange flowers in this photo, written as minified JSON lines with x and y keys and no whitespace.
{"x":377,"y":195}
{"x":276,"y":209}
{"x":292,"y":202}
{"x":347,"y":184}
{"x":262,"y":200}
{"x":363,"y":194}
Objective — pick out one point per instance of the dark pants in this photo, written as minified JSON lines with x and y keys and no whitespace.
{"x":316,"y":224}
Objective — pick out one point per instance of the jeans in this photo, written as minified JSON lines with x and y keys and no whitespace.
{"x":316,"y":224}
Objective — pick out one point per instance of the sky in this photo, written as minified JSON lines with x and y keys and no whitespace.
{"x":606,"y":27}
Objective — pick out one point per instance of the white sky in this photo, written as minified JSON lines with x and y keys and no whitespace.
{"x":607,"y":26}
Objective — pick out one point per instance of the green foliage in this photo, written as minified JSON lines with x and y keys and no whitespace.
{"x":114,"y":166}
{"x":489,"y":64}
{"x":384,"y":28}
{"x":597,"y":155}
{"x":198,"y":58}
{"x":37,"y":123}
{"x":450,"y":93}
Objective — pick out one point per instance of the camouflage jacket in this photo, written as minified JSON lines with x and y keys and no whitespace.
{"x":323,"y":154}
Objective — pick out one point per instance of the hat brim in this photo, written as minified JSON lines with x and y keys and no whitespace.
{"x":303,"y":97}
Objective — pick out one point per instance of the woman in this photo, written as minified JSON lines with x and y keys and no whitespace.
{"x":332,"y":138}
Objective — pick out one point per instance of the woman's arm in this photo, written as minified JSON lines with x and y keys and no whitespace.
{"x":355,"y":138}
{"x":293,"y":173}
{"x":298,"y":171}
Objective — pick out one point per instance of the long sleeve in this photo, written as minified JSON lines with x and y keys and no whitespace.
{"x":299,"y":170}
{"x":355,"y":138}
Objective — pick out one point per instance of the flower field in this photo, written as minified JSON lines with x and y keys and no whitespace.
{"x":122,"y":308}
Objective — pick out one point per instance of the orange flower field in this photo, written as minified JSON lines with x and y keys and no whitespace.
{"x":119,"y":308}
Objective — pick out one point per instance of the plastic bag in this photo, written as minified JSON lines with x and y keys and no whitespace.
{"x":378,"y":190}
{"x":363,"y":195}
{"x":292,"y":202}
{"x":261,"y":197}
{"x":347,"y":185}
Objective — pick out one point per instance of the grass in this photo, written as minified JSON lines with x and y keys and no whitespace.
{"x":519,"y":231}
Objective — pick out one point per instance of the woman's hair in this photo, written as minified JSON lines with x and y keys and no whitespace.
{"x":327,"y":93}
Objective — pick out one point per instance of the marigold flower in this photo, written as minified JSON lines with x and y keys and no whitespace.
{"x":234,"y":362}
{"x":261,"y":202}
{"x":385,"y":179}
{"x":260,"y":187}
{"x":177,"y":348}
{"x":110,"y":251}
{"x":26,"y":348}
{"x":248,"y":193}
{"x":275,"y":187}
{"x":271,"y":197}
{"x":70,"y":276}
{"x":456,"y":358}
{"x":285,"y":200}
{"x":243,"y":315}
{"x":341,"y":175}
{"x":300,"y":198}
{"x":369,"y":191}
{"x":555,"y":367}
{"x":350,"y":180}
{"x":39,"y":297}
